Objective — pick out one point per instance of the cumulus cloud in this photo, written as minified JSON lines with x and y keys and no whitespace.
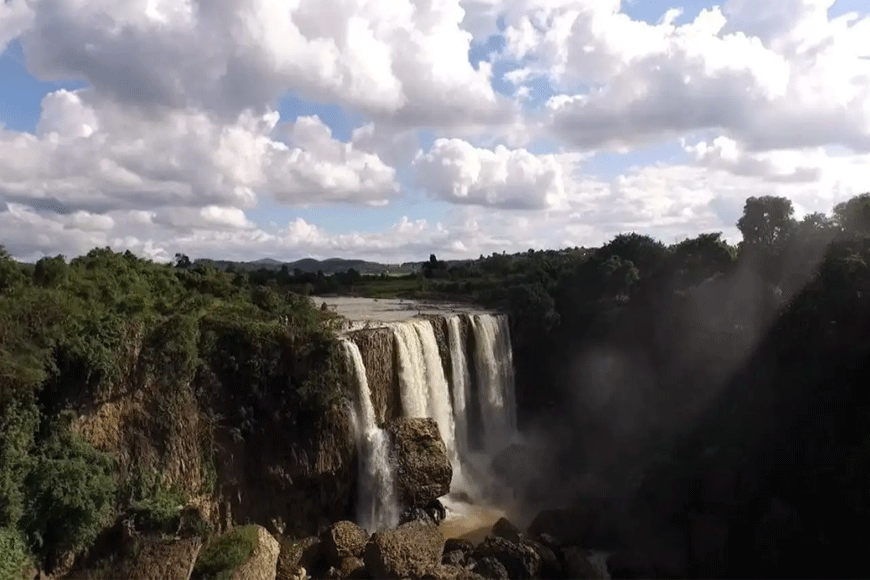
{"x":402,"y":60}
{"x":772,"y":75}
{"x":92,"y":154}
{"x":176,"y":138}
{"x":15,"y":17}
{"x":456,"y":171}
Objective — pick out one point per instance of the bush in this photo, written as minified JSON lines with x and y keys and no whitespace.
{"x":220,"y":558}
{"x":14,"y":558}
{"x":70,"y":491}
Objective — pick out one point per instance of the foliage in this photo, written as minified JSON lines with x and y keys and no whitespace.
{"x":14,"y":557}
{"x":153,"y":505}
{"x":220,"y":558}
{"x":71,"y":491}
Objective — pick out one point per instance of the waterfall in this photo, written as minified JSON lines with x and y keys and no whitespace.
{"x":377,"y":506}
{"x":495,"y":380}
{"x":461,"y":382}
{"x":424,"y":389}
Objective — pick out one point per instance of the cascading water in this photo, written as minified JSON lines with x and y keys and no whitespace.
{"x":424,"y":389}
{"x":461,"y":382}
{"x":425,"y":392}
{"x":495,"y":379}
{"x":377,"y":506}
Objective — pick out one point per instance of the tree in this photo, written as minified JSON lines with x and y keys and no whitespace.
{"x":182,"y":261}
{"x":853,"y":216}
{"x":51,"y":272}
{"x":10,"y":273}
{"x":696,"y":259}
{"x":645,"y":253}
{"x":766,"y":222}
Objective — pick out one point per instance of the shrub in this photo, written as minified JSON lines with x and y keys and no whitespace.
{"x":220,"y":558}
{"x":14,"y":558}
{"x":71,"y":491}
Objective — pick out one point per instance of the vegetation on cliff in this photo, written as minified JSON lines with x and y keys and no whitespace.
{"x":76,"y":335}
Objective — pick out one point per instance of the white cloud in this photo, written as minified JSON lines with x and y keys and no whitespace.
{"x":403,"y":60}
{"x":15,"y":17}
{"x":456,"y":171}
{"x":175,"y":141}
{"x":804,"y":83}
{"x":93,"y":154}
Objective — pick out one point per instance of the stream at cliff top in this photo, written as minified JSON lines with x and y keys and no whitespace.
{"x":452,"y":363}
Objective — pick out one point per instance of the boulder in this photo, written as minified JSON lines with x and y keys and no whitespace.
{"x":264,"y":563}
{"x":352,"y":567}
{"x":414,"y":513}
{"x":448,"y":572}
{"x":412,"y":550}
{"x":489,"y":567}
{"x":551,"y":566}
{"x":423,"y":471}
{"x":454,"y":558}
{"x":340,"y":540}
{"x":458,"y":544}
{"x":296,"y":556}
{"x":521,"y":561}
{"x":504,"y":529}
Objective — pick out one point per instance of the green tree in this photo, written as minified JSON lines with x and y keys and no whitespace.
{"x":766,"y":223}
{"x":10,"y":273}
{"x":853,"y":216}
{"x":51,"y":272}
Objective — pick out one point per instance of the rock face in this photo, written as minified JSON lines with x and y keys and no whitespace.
{"x":264,"y":563}
{"x":342,"y":540}
{"x":423,"y":471}
{"x":412,"y":550}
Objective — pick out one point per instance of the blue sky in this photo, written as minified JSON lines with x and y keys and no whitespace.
{"x":21,"y":94}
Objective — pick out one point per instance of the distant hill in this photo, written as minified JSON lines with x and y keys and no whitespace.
{"x":328,"y":266}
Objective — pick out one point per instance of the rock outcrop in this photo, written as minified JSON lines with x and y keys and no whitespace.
{"x":423,"y":470}
{"x":412,"y":550}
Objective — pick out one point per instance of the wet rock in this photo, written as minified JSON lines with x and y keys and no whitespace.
{"x":423,"y":471}
{"x":410,"y":551}
{"x":340,"y":540}
{"x":521,"y":561}
{"x":551,"y":566}
{"x":436,"y":511}
{"x":489,"y":567}
{"x":414,"y":513}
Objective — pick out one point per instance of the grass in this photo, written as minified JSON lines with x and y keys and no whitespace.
{"x":221,"y":557}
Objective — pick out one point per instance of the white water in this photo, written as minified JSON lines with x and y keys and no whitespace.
{"x":377,"y":508}
{"x":424,"y":389}
{"x":495,"y":380}
{"x":461,"y":383}
{"x":425,"y":392}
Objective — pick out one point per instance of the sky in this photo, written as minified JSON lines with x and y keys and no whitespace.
{"x":247,"y":129}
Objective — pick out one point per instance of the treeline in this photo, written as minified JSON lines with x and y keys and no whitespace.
{"x":74,"y":334}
